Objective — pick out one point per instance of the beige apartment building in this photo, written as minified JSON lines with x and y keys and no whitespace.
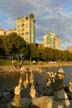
{"x":45,"y":41}
{"x":2,"y":32}
{"x":25,"y":27}
{"x":10,"y":31}
{"x":69,"y":48}
{"x":51,"y":40}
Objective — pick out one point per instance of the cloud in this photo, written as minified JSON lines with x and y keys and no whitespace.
{"x":51,"y":15}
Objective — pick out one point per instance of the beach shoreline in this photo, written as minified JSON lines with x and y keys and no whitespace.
{"x":11,"y":68}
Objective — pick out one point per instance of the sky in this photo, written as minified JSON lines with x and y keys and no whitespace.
{"x":50,"y":15}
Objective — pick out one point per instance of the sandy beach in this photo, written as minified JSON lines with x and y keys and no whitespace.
{"x":11,"y":68}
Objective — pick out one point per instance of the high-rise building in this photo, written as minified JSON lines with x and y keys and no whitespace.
{"x":25,"y":27}
{"x":51,"y":40}
{"x":45,"y":41}
{"x":69,"y":48}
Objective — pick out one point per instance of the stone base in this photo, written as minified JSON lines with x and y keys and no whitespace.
{"x":16,"y":102}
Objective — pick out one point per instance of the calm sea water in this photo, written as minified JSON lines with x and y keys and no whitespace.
{"x":9,"y":80}
{"x":67,"y":70}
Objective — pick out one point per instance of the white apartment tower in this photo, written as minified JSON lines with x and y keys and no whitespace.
{"x":52,"y":40}
{"x":25,"y":27}
{"x":69,"y":48}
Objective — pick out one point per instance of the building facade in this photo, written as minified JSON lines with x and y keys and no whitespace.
{"x":51,"y":40}
{"x":25,"y":27}
{"x":45,"y":41}
{"x":2,"y":32}
{"x":11,"y":31}
{"x":69,"y":48}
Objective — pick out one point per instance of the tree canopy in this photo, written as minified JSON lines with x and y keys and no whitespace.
{"x":15,"y":44}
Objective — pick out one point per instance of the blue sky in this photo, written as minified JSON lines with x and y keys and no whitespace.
{"x":51,"y":16}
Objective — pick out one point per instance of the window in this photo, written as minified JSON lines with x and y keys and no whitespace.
{"x":22,"y":33}
{"x":22,"y":25}
{"x":26,"y":32}
{"x":22,"y":29}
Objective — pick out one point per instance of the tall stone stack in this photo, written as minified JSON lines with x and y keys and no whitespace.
{"x":70,"y":86}
{"x":60,"y":96}
{"x":16,"y":103}
{"x":70,"y":89}
{"x":32,"y":90}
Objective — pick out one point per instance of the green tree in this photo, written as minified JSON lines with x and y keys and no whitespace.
{"x":2,"y":51}
{"x":31,"y":15}
{"x":33,"y":52}
{"x":14,"y":44}
{"x":26,"y":52}
{"x":49,"y":55}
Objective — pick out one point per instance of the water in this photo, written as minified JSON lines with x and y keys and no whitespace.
{"x":9,"y":80}
{"x":68,"y":74}
{"x":67,"y":70}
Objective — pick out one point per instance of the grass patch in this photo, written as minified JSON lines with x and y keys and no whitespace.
{"x":26,"y":62}
{"x":5,"y":62}
{"x":9,"y":62}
